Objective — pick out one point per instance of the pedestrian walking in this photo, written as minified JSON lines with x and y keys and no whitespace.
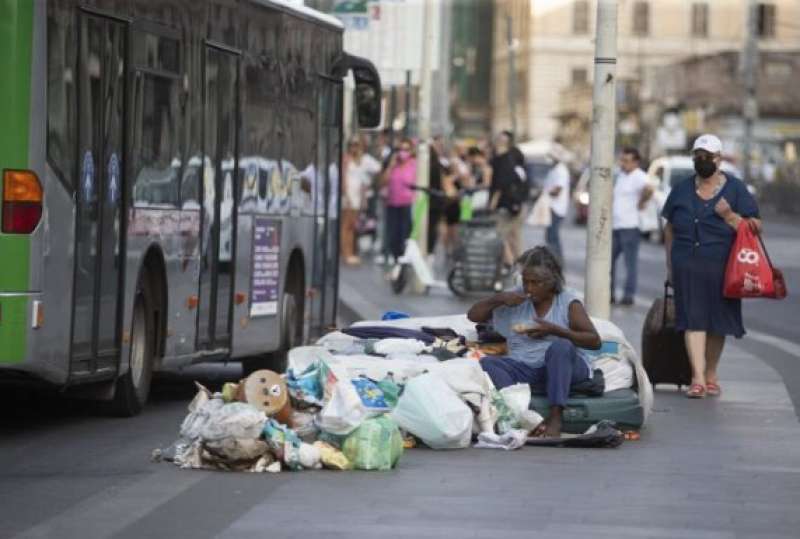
{"x":631,"y":193}
{"x":359,"y":168}
{"x":399,"y":178}
{"x":556,"y":186}
{"x":436,"y":204}
{"x":547,"y":331}
{"x":507,"y":193}
{"x":702,"y":213}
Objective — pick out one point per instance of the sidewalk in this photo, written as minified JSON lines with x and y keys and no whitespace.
{"x":726,"y":467}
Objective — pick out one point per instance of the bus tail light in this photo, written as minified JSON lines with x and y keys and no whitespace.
{"x":22,"y":201}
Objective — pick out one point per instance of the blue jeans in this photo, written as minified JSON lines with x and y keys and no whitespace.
{"x":625,"y":241}
{"x":562,"y":368}
{"x":552,"y":237}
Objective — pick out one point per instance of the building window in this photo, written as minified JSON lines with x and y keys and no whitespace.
{"x":700,"y":19}
{"x":580,"y":17}
{"x":641,"y":18}
{"x":579,"y":75}
{"x":765,"y":20}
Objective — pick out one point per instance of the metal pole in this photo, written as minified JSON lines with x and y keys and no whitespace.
{"x":407,"y":124}
{"x":750,"y":76}
{"x":425,"y":94}
{"x":598,"y":241}
{"x":512,"y":75}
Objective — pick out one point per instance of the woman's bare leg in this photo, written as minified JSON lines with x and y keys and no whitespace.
{"x":696,"y":346}
{"x":714,"y":346}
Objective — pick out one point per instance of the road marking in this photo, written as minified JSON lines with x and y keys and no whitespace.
{"x":793,"y":349}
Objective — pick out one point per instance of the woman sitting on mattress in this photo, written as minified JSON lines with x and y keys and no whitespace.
{"x":546,"y":328}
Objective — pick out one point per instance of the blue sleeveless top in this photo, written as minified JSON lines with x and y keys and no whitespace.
{"x":523,"y":348}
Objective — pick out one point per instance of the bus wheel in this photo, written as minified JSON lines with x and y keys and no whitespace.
{"x":132,"y":388}
{"x":291,"y":325}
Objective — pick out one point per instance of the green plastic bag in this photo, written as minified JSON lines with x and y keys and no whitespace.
{"x":391,"y":391}
{"x":465,"y":207}
{"x":375,"y":445}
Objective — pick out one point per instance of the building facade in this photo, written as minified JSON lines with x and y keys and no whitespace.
{"x":554,"y":47}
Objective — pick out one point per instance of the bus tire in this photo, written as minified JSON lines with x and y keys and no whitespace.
{"x":292,"y":335}
{"x":133,"y":387}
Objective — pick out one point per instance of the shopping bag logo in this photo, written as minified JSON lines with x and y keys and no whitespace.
{"x":747,"y":256}
{"x":752,"y":283}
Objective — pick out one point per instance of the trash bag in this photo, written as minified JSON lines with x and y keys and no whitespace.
{"x":344,"y":412}
{"x":518,"y":399}
{"x":370,"y":394}
{"x":375,"y":445}
{"x":391,"y":390}
{"x":305,"y":388}
{"x":304,"y":425}
{"x":430,"y":410}
{"x":284,"y":444}
{"x":332,"y":458}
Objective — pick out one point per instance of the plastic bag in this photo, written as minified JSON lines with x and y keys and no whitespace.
{"x":518,"y":398}
{"x":344,"y":412}
{"x":332,"y":458}
{"x":284,"y":444}
{"x":305,"y":388}
{"x":375,"y":445}
{"x":303,"y":424}
{"x":748,"y":273}
{"x":434,"y":413}
{"x":391,"y":390}
{"x":370,"y":394}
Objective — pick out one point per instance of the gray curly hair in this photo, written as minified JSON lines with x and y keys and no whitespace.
{"x":545,"y":264}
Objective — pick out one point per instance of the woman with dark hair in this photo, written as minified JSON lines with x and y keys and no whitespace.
{"x":546,"y":329}
{"x":399,"y":178}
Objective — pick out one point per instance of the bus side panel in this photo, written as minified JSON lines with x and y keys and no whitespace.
{"x":262,"y":191}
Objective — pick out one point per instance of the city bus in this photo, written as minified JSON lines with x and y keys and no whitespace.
{"x":169,"y":186}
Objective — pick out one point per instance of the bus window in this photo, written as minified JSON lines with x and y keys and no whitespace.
{"x":156,"y":148}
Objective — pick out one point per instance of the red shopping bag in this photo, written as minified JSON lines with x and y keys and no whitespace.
{"x":749,"y":273}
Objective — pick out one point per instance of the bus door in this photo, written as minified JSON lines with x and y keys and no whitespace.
{"x":326,"y":248}
{"x":99,"y":195}
{"x":220,"y":185}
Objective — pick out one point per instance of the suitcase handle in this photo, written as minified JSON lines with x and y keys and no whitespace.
{"x":667,"y":295}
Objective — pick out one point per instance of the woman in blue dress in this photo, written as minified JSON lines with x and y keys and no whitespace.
{"x":702,"y":213}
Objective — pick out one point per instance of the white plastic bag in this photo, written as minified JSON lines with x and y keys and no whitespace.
{"x":540,"y":213}
{"x":518,"y":399}
{"x":433,"y":412}
{"x":344,"y":412}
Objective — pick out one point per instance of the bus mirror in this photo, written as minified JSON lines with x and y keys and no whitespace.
{"x":368,"y":88}
{"x":368,"y":98}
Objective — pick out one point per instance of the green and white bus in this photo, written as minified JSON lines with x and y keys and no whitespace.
{"x":170,"y":176}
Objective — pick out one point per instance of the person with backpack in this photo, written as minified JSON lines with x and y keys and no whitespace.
{"x":507,"y":193}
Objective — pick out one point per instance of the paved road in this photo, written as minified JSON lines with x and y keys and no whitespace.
{"x":714,"y":469}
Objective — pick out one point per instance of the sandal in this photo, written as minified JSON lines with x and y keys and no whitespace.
{"x":713,"y":390}
{"x":696,"y":391}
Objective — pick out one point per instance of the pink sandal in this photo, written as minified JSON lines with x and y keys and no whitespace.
{"x":713,"y":390}
{"x":696,"y":391}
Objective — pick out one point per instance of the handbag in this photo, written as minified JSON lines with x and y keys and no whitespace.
{"x":749,"y":272}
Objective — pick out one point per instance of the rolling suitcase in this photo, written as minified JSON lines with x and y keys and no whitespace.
{"x":664,"y":353}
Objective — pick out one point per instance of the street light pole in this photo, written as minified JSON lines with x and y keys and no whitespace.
{"x":512,"y":75}
{"x":750,"y":105}
{"x":598,"y":244}
{"x":425,"y":98}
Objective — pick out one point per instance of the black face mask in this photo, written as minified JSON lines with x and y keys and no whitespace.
{"x":705,"y":168}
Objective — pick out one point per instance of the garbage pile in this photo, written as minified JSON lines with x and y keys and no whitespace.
{"x":355,"y":402}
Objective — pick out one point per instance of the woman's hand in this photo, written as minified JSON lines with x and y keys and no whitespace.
{"x":512,"y":299}
{"x":543,"y":329}
{"x":755,"y":225}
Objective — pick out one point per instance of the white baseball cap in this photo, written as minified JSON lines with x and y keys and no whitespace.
{"x":709,"y":143}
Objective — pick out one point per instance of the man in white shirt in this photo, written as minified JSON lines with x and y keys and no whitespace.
{"x":359,"y":168}
{"x":556,"y":186}
{"x":631,"y":192}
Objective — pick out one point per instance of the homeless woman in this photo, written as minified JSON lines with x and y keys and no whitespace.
{"x":546,"y":328}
